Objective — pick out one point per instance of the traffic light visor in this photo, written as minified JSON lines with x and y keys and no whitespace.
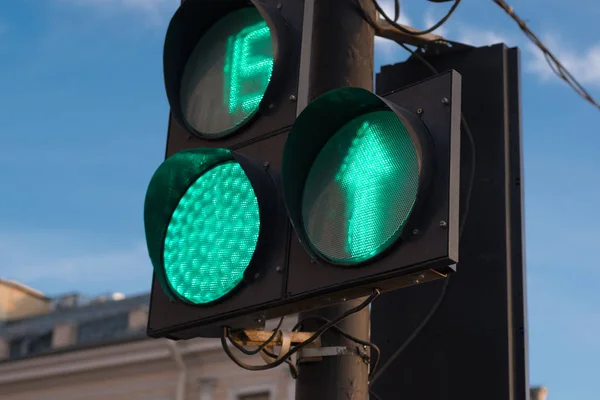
{"x":352,"y":175}
{"x":202,"y":224}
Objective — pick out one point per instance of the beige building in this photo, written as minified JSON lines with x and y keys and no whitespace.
{"x":73,"y":348}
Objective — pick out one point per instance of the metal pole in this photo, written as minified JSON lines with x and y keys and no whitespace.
{"x":338,"y":47}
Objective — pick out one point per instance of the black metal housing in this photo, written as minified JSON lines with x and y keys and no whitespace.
{"x":292,"y":282}
{"x":430,"y":238}
{"x":260,"y":141}
{"x":193,"y":18}
{"x":476,"y":342}
{"x":265,"y":184}
{"x":316,"y":126}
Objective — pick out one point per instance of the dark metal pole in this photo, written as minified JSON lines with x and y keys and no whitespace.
{"x":338,"y":47}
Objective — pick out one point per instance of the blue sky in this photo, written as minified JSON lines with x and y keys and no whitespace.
{"x":83,"y":127}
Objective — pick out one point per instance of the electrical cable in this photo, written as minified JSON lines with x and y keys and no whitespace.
{"x":552,"y":61}
{"x":298,"y":347}
{"x":348,"y":336}
{"x":372,"y":393}
{"x":402,"y":29}
{"x":262,"y":345}
{"x":469,"y":190}
{"x":396,"y":10}
{"x":293,"y":368}
{"x":414,"y":334}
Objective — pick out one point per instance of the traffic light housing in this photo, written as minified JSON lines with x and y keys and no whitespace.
{"x":231,"y":70}
{"x":226,"y":118}
{"x":371,"y":186}
{"x":257,"y":213}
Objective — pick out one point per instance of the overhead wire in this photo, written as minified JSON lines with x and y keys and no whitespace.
{"x":555,"y":65}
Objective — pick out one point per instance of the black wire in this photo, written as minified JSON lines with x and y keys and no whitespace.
{"x":348,"y":336}
{"x":293,"y":368}
{"x":259,"y":348}
{"x":372,"y":393}
{"x":396,"y":10}
{"x":414,"y":334}
{"x":300,"y":346}
{"x":552,"y":61}
{"x":417,"y":33}
{"x":462,"y":224}
{"x":471,"y":180}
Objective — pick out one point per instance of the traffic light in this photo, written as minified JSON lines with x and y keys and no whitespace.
{"x":371,"y":188}
{"x":215,"y":222}
{"x":257,"y":213}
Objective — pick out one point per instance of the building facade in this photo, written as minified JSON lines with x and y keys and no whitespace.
{"x":76,"y":349}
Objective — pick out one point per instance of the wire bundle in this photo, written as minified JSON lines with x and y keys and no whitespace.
{"x":285,"y":358}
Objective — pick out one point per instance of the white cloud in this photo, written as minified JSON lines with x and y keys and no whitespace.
{"x":388,"y":50}
{"x":58,"y":261}
{"x":584,"y":65}
{"x":429,"y":21}
{"x":480,"y":37}
{"x":388,"y":8}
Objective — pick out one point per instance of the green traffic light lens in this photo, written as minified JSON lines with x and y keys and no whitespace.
{"x":361,"y":188}
{"x":228,"y":73}
{"x":212,"y":235}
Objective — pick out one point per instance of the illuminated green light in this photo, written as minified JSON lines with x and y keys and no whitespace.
{"x":361,"y":189}
{"x":212,"y":235}
{"x":250,"y":69}
{"x":228,"y":73}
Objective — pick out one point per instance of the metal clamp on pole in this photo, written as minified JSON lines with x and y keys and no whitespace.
{"x":317,"y":354}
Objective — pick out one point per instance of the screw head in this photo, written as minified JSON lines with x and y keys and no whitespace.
{"x":256,"y":275}
{"x":419,"y":111}
{"x":292,"y":97}
{"x":271,"y":105}
{"x":421,"y":276}
{"x":278,"y":269}
{"x":279,"y":6}
{"x":443,"y":224}
{"x":415,"y":231}
{"x":445,"y":100}
{"x":266,"y":164}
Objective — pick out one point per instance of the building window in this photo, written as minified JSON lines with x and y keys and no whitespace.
{"x":102,"y":328}
{"x":30,"y":345}
{"x":255,"y":396}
